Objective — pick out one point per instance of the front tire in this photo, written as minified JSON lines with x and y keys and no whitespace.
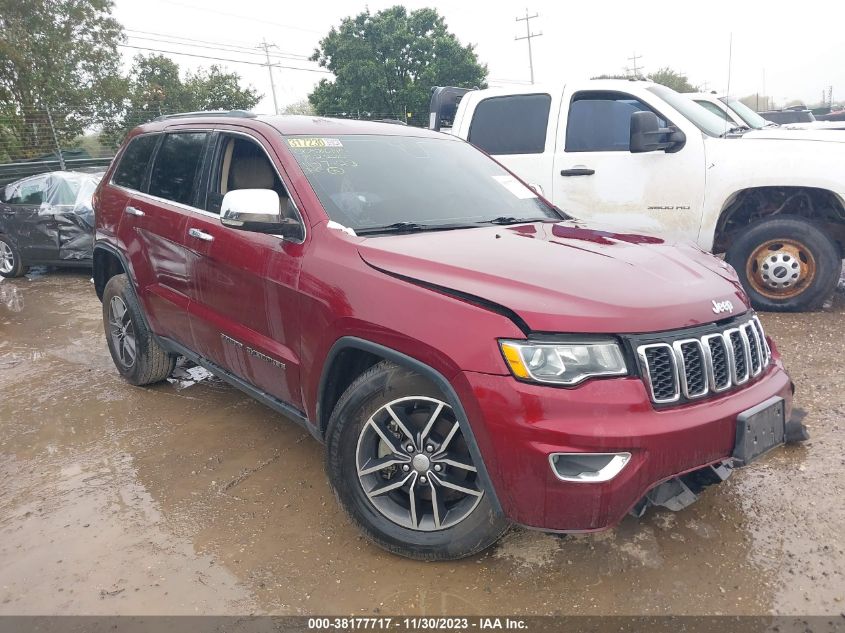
{"x":134,"y":350}
{"x":786,"y":263}
{"x":11,"y":264}
{"x":399,"y":465}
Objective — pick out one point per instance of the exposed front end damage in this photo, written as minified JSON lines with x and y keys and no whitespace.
{"x":680,"y":492}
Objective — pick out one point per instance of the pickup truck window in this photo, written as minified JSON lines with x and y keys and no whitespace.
{"x":511,"y":125}
{"x":705,"y":121}
{"x":175,"y":167}
{"x":601,"y":121}
{"x":745,"y":113}
{"x":366,"y":181}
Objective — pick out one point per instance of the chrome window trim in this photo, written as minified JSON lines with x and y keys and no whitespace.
{"x":187,"y":207}
{"x":677,"y":347}
{"x":641,"y":353}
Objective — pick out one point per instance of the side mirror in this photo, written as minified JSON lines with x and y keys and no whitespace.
{"x":259,"y":211}
{"x":648,"y":136}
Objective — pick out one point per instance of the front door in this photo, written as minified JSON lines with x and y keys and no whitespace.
{"x":598,"y":179}
{"x":245,"y":306}
{"x":27,"y":218}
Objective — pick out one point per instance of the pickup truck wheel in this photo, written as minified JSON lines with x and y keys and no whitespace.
{"x":786,"y":263}
{"x":134,"y":350}
{"x":399,"y":465}
{"x":11,"y":264}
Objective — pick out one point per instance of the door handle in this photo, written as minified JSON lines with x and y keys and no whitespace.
{"x":134,"y":211}
{"x":577,"y":171}
{"x":201,"y":235}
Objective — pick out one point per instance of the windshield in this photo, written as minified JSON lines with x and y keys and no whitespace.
{"x":704,"y":120}
{"x":368,"y":181}
{"x":745,"y":113}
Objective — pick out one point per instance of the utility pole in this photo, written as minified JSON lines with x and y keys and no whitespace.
{"x":635,"y":68}
{"x":266,"y":48}
{"x":528,"y":35}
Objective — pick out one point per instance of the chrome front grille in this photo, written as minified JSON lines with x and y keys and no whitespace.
{"x":689,"y":368}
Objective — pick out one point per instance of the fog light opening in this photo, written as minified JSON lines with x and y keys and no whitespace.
{"x":588,"y":467}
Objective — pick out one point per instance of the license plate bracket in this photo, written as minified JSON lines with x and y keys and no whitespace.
{"x":759,"y":430}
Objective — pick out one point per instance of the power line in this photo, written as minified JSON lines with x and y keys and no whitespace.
{"x":528,"y":35}
{"x":217,"y":46}
{"x":224,"y":59}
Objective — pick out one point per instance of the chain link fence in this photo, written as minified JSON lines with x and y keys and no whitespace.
{"x":39,"y":140}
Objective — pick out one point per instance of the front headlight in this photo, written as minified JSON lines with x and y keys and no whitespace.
{"x":563,"y":363}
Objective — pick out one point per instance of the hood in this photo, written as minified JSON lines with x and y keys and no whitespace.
{"x":562,"y":277}
{"x":792,"y":132}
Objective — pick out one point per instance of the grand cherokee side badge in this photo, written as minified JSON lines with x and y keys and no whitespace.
{"x":722,"y":306}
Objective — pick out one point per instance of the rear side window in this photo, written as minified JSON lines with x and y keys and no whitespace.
{"x":134,"y":162}
{"x":601,"y":122}
{"x":511,"y":125}
{"x":176,"y":165}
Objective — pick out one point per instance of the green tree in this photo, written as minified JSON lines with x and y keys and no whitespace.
{"x":60,"y":54}
{"x":677,"y":81}
{"x":303,"y":106}
{"x":216,"y":89}
{"x":155,"y":87}
{"x":386,"y":64}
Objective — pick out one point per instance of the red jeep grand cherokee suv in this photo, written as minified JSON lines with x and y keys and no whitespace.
{"x":469,"y":355}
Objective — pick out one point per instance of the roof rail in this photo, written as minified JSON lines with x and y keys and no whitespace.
{"x":241,"y":114}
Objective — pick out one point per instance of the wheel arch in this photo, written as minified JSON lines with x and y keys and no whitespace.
{"x":108,"y":262}
{"x":351,"y":349}
{"x":747,"y":206}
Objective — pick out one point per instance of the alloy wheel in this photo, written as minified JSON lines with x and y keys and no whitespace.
{"x":414,"y":465}
{"x":122,"y":332}
{"x":7,"y":258}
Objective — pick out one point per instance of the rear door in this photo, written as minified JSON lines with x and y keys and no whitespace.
{"x":152,"y":228}
{"x":245,"y":305}
{"x":519,"y":132}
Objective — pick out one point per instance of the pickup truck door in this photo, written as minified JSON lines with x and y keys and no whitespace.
{"x":597,"y":178}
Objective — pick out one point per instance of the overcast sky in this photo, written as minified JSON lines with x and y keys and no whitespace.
{"x":791,"y":51}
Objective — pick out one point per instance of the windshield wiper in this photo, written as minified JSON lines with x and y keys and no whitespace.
{"x":506,"y":219}
{"x":409,"y":227}
{"x":736,"y":129}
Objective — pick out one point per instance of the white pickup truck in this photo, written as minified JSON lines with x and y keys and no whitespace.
{"x":740,"y":115}
{"x":642,"y":158}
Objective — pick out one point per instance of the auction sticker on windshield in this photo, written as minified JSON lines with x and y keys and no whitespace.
{"x":306,"y":143}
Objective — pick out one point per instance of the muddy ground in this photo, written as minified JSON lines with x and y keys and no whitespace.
{"x":191,"y":498}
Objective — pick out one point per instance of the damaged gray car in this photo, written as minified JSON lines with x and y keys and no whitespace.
{"x":47,"y":220}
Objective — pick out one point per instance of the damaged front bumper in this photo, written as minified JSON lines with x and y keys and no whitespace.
{"x":614,"y":450}
{"x":679,"y":492}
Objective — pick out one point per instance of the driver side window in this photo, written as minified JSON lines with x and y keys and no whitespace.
{"x":241,"y":163}
{"x":601,"y":121}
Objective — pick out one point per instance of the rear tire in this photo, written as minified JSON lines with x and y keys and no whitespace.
{"x":11,"y":264}
{"x":786,"y":263}
{"x":135,"y":352}
{"x":428,"y":452}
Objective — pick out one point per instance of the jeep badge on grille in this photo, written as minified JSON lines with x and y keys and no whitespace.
{"x":722,"y":306}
